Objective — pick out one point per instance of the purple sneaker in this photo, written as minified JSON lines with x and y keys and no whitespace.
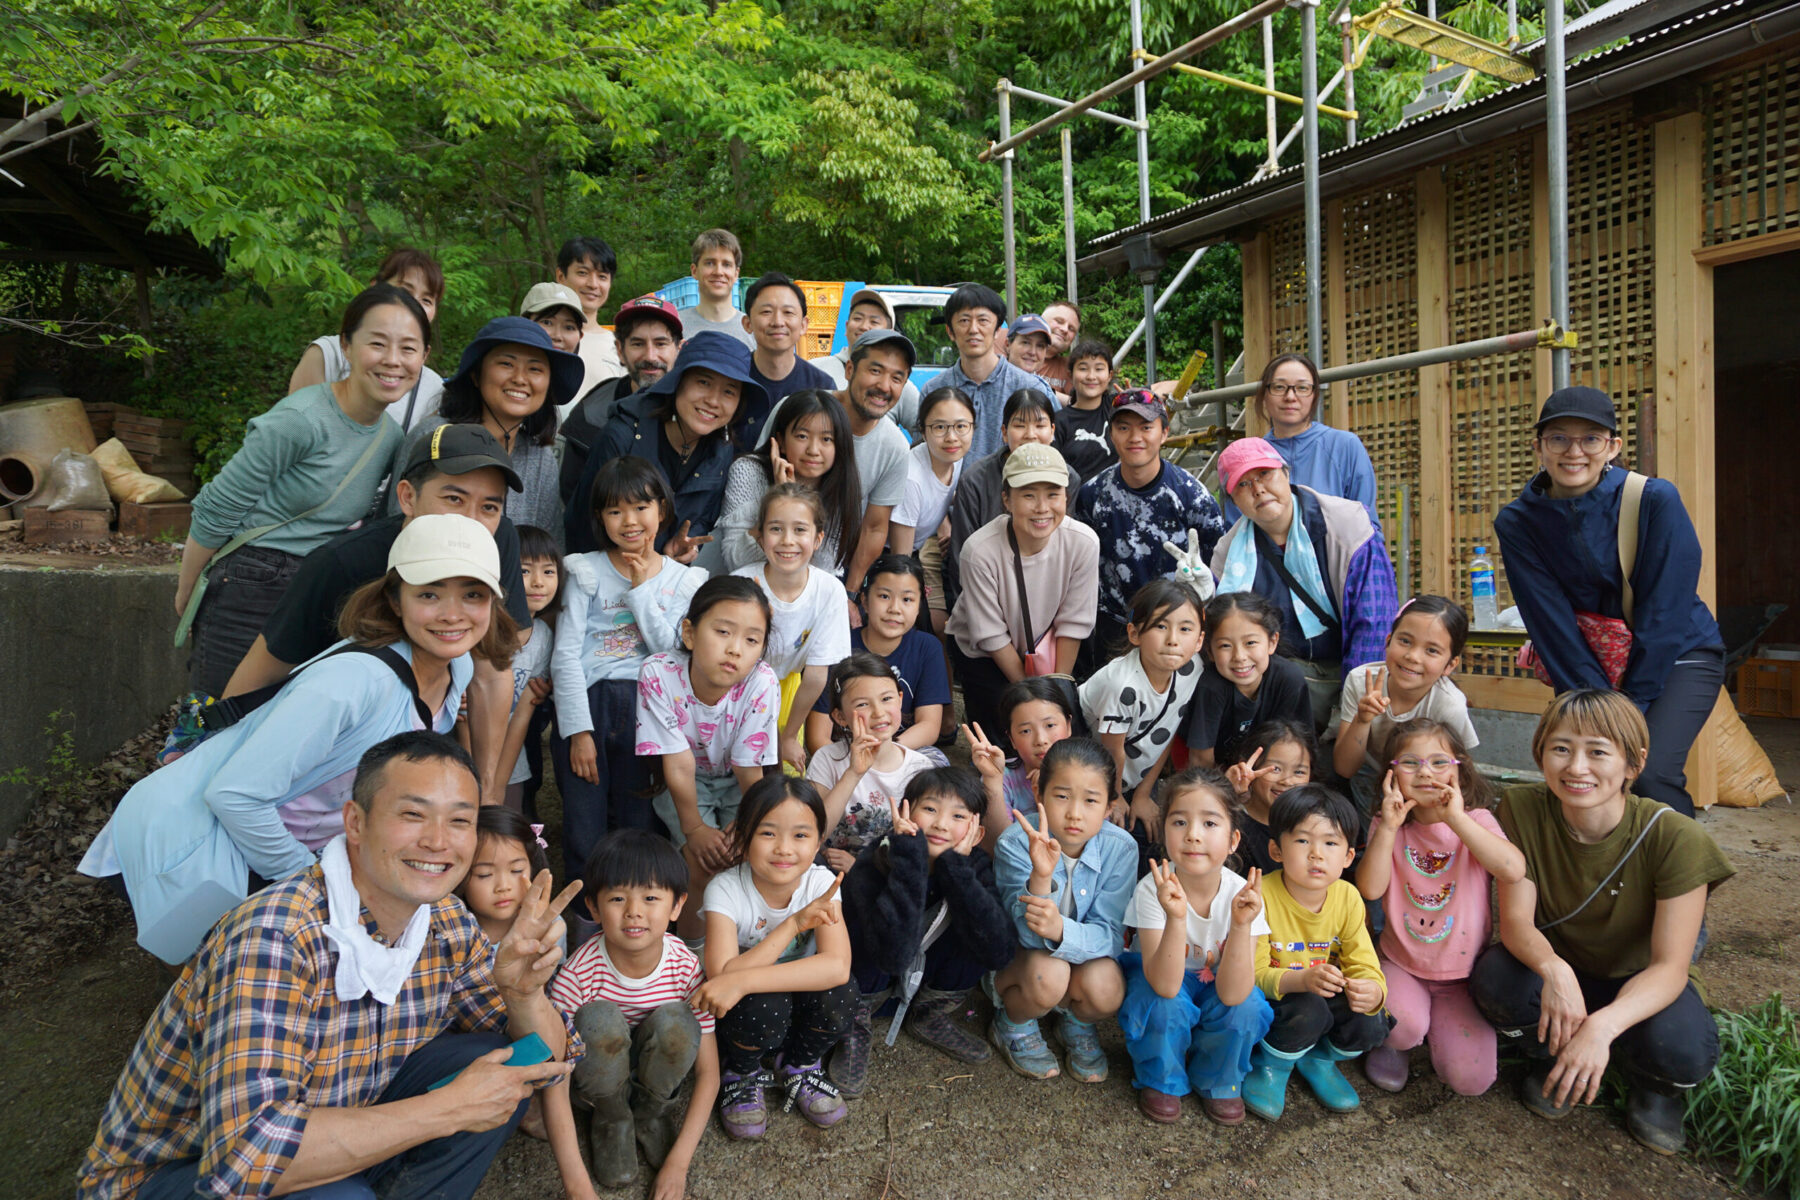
{"x":807,"y":1087}
{"x":741,"y":1107}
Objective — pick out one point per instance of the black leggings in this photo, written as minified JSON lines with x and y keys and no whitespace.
{"x":1303,"y":1020}
{"x":1675,"y":718}
{"x":1676,"y":1047}
{"x":802,"y":1025}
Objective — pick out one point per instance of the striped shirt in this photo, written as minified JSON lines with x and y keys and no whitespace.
{"x":252,"y":1038}
{"x":590,"y":975}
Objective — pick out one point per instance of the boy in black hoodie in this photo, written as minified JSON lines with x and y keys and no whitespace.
{"x":925,"y":922}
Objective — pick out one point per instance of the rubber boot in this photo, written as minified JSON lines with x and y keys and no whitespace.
{"x":932,"y":1019}
{"x":1320,"y":1070}
{"x":612,"y":1142}
{"x":654,"y":1122}
{"x":1265,"y":1087}
{"x":850,"y":1060}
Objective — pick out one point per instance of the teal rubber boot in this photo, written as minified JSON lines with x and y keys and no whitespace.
{"x":1265,"y":1087}
{"x":1320,"y":1070}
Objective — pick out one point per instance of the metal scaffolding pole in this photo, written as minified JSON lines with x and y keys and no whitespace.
{"x":1100,"y":114}
{"x":1349,"y":73}
{"x":1068,"y":173}
{"x":1510,"y":343}
{"x":1271,"y":125}
{"x":1006,"y":203}
{"x":1188,"y":49}
{"x":1140,"y":106}
{"x":1556,"y":136}
{"x":1315,"y":255}
{"x":1162,"y":302}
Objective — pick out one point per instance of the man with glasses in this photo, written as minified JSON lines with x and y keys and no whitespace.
{"x":973,"y":315}
{"x":1332,"y":462}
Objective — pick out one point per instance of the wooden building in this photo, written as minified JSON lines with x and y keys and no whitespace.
{"x":1684,"y":280}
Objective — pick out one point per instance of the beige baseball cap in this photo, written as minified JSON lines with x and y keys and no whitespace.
{"x":446,"y":546}
{"x":1035,"y":463}
{"x":545,"y":296}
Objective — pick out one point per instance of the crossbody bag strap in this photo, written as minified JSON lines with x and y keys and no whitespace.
{"x":1631,"y":501}
{"x":398,"y":664}
{"x":250,"y":535}
{"x":1024,"y":597}
{"x":1326,"y":617}
{"x":1617,"y":867}
{"x":1169,"y":699}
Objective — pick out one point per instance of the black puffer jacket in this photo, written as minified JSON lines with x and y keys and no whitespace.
{"x":893,"y":888}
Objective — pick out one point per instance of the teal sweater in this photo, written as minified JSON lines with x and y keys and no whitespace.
{"x":292,"y":457}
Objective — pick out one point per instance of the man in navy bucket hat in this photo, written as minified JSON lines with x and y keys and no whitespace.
{"x":682,"y":425}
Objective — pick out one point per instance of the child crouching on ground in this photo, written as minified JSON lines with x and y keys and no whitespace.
{"x":628,"y":990}
{"x":1192,"y":1012}
{"x":1065,"y":875}
{"x":1316,"y":964}
{"x":925,"y":922}
{"x":777,"y":960}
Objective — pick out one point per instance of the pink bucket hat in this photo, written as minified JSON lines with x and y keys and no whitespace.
{"x":1242,"y":457}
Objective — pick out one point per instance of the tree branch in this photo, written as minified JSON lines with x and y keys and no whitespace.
{"x":40,"y":143}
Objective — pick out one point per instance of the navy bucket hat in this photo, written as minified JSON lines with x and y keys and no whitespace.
{"x":713,"y":351}
{"x":566,"y":370}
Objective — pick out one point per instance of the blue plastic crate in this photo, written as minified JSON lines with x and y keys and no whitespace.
{"x":685,"y":292}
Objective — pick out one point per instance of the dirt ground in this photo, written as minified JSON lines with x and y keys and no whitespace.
{"x":930,"y":1128}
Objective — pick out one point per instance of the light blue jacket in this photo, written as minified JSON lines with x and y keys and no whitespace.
{"x":1103,"y":879}
{"x":187,"y":836}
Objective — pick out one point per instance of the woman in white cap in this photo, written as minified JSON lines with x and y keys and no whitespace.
{"x":1318,"y":558}
{"x":1031,"y":584}
{"x":258,"y":799}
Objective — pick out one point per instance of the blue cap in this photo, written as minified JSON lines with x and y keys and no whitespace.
{"x":1030,"y":323}
{"x":566,"y":370}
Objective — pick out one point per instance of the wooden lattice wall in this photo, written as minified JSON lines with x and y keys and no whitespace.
{"x":1379,"y":286}
{"x":1489,"y":203}
{"x":1752,"y":134}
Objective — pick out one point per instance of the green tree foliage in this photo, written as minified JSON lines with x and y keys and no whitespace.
{"x":837,"y":137}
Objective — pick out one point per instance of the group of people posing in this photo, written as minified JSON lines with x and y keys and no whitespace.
{"x":735,"y":598}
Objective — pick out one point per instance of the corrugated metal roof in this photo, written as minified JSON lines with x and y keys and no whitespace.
{"x":1442,"y":118}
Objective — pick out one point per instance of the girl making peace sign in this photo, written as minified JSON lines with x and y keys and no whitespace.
{"x":865,"y":770}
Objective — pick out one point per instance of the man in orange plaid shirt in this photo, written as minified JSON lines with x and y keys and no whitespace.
{"x":296,"y":1053}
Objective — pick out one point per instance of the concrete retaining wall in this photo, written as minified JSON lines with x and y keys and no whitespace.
{"x":94,"y":643}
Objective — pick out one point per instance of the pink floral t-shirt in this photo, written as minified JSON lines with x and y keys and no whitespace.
{"x":738,"y":731}
{"x":1438,"y":918}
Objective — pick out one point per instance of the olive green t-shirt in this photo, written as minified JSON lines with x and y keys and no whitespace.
{"x":1610,"y":938}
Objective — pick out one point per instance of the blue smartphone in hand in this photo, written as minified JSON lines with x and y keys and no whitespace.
{"x":528,"y":1051}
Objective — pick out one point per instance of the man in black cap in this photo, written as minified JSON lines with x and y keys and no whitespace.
{"x":648,"y":333}
{"x":457,"y":469}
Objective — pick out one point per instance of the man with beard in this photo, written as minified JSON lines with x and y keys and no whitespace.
{"x":648,"y":331}
{"x":881,"y":363}
{"x":1064,"y":321}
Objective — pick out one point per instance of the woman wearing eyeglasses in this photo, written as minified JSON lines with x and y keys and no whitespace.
{"x":1332,"y":462}
{"x":1560,"y":544}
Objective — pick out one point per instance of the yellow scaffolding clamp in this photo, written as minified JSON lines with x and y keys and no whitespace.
{"x":1189,"y":375}
{"x":1554,"y":337}
{"x":1398,"y":23}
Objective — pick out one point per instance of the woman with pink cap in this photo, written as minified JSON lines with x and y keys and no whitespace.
{"x":1317,"y":558}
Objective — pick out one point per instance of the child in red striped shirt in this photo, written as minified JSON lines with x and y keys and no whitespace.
{"x":628,"y":990}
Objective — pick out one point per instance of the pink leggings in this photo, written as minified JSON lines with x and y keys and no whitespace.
{"x":1462,"y":1043}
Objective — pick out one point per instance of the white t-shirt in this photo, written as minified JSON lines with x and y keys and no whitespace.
{"x":1444,"y":702}
{"x":734,"y":895}
{"x":812,"y":630}
{"x":530,"y":661}
{"x":1118,"y":699}
{"x":927,"y":501}
{"x":881,"y":464}
{"x":590,"y":975}
{"x":431,"y":384}
{"x":1206,"y":932}
{"x":738,"y":731}
{"x":867,"y":816}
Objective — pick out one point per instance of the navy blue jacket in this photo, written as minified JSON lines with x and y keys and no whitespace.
{"x":634,"y":428}
{"x":1562,"y":557}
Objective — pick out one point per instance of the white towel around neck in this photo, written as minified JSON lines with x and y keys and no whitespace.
{"x":364,"y":965}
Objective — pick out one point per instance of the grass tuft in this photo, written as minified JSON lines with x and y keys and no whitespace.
{"x":1749,"y":1107}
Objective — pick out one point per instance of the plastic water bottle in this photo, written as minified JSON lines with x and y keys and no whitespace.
{"x":1481,"y":582}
